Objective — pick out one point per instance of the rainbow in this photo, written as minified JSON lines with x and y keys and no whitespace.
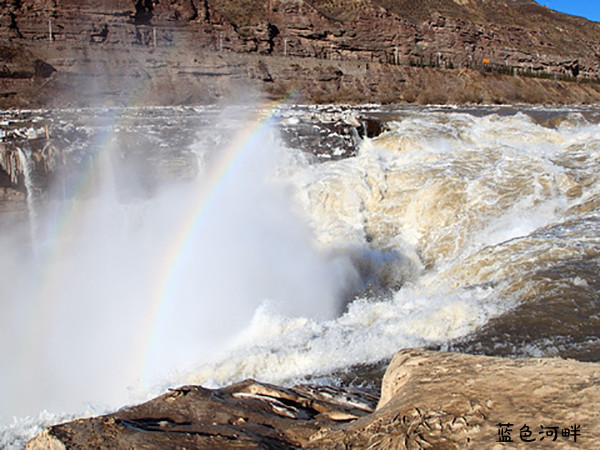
{"x":47,"y":279}
{"x":220,"y":172}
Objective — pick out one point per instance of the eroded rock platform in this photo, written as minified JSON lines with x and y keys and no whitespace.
{"x":428,"y":400}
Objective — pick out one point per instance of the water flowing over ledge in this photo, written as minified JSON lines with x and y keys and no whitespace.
{"x":170,"y":246}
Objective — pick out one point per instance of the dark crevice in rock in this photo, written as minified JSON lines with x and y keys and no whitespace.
{"x":100,"y":36}
{"x":143,"y":12}
{"x":161,"y":425}
{"x":13,"y":27}
{"x":42,"y":69}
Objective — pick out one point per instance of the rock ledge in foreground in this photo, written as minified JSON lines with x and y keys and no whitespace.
{"x":429,"y":399}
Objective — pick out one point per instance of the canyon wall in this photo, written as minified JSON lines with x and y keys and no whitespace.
{"x":122,"y":52}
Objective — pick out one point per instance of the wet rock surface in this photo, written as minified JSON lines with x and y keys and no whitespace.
{"x":47,"y":149}
{"x":451,"y":400}
{"x":244,"y":415}
{"x":428,"y":400}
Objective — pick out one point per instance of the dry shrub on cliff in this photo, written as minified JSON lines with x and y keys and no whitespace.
{"x":416,"y":11}
{"x":518,"y":91}
{"x":339,"y":10}
{"x":468,"y":88}
{"x":240,"y":12}
{"x":432,"y":96}
{"x":387,"y":92}
{"x":471,"y":96}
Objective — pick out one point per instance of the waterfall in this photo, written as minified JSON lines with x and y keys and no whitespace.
{"x":27,"y":165}
{"x":471,"y":229}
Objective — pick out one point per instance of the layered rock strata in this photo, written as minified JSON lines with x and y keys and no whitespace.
{"x":191,"y":51}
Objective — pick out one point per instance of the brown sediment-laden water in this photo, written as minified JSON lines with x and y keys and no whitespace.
{"x":157,"y":246}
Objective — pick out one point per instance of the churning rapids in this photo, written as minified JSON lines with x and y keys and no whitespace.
{"x":193,"y":245}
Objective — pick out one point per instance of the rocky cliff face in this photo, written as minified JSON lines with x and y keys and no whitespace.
{"x":190,"y":51}
{"x":428,"y":400}
{"x":514,"y":33}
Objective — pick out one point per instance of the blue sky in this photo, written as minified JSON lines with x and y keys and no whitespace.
{"x":590,"y":9}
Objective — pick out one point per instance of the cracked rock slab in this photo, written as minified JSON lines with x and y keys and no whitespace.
{"x":428,"y":400}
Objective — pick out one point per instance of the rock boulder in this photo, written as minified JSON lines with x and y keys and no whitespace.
{"x":428,"y":400}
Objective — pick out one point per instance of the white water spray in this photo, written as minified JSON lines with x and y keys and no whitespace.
{"x":27,"y":165}
{"x":423,"y":210}
{"x":76,"y":309}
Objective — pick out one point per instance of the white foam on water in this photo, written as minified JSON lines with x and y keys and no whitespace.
{"x":75,"y":310}
{"x":16,"y":434}
{"x":398,"y":194}
{"x":429,"y":219}
{"x":281,"y":349}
